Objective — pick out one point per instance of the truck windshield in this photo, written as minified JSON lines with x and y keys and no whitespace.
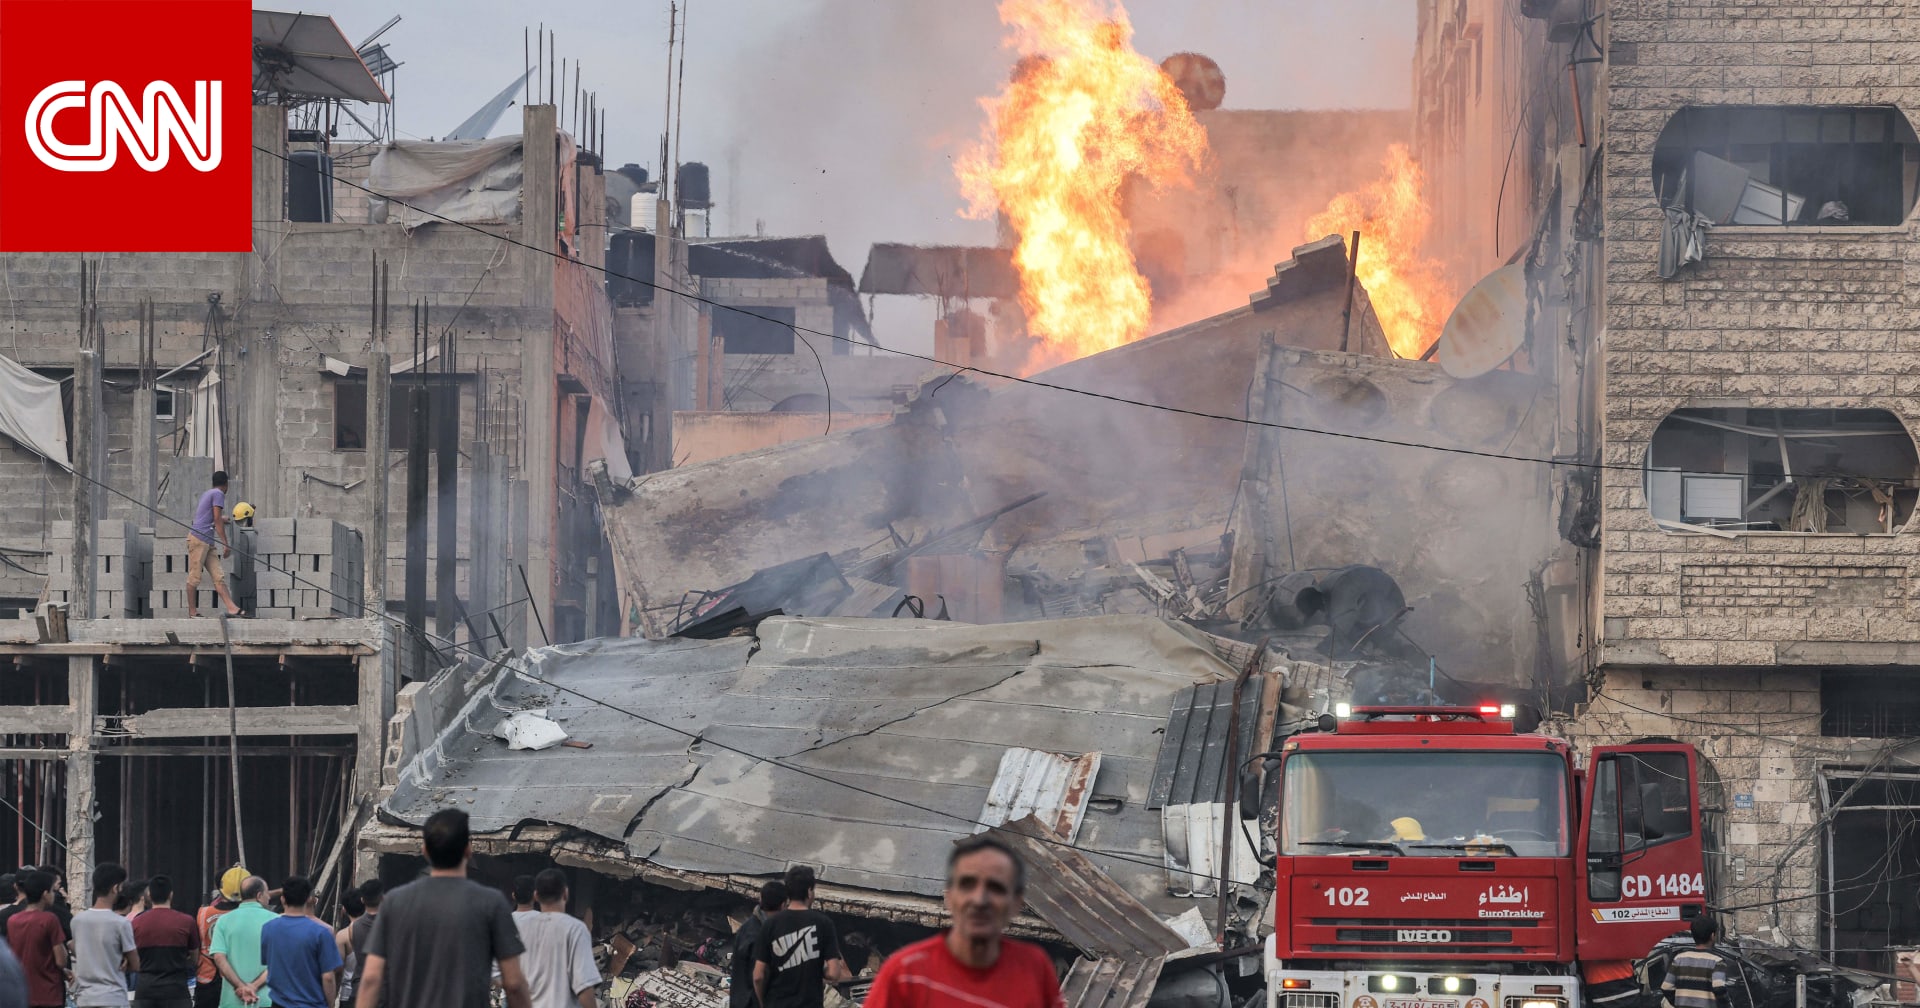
{"x":1426,"y":803}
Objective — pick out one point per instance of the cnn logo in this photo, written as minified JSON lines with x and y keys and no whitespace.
{"x":150,"y":131}
{"x":129,"y":128}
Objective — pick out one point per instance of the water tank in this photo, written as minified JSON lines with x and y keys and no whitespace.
{"x":695,"y":186}
{"x":645,"y":210}
{"x":309,"y":186}
{"x":630,"y":268}
{"x":634,"y":173}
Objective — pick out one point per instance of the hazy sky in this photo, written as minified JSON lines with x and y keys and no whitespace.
{"x":840,"y":116}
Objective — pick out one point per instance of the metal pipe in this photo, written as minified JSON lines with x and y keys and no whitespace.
{"x":233,"y":739}
{"x":1230,"y":784}
{"x":1353,"y":272}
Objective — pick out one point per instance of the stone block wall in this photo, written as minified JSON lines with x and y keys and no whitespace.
{"x":1776,"y":317}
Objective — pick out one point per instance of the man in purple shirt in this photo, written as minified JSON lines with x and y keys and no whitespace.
{"x":209,"y":526}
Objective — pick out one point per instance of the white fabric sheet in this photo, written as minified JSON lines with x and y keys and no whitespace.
{"x":30,"y":413}
{"x":471,"y":181}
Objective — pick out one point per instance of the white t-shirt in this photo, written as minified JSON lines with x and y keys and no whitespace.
{"x":559,"y":958}
{"x":100,"y":939}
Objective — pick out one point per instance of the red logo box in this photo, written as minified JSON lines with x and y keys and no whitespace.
{"x":112,"y":138}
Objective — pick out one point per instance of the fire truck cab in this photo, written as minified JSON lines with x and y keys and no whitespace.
{"x":1432,"y":857}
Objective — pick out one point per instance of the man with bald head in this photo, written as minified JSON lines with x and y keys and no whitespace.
{"x":236,"y":948}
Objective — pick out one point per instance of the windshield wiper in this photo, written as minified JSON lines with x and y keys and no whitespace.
{"x":1354,"y":845}
{"x":1478,"y":845}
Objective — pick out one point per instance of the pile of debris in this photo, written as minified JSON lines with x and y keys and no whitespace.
{"x":693,"y":770}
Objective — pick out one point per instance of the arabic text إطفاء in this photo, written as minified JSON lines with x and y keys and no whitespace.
{"x":1504,"y":894}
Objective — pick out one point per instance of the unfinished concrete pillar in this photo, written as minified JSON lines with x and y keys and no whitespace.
{"x":82,"y":695}
{"x":89,"y":438}
{"x":539,"y":391}
{"x":269,"y":201}
{"x":379,"y":477}
{"x":480,"y":593}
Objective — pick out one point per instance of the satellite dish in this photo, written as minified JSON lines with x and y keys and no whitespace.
{"x":1488,"y":325}
{"x":304,"y":56}
{"x":1197,"y":77}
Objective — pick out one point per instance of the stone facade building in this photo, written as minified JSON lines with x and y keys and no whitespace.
{"x":1749,"y":470}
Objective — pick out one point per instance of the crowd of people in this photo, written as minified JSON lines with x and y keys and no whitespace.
{"x":446,"y":941}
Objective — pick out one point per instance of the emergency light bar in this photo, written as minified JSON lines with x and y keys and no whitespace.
{"x":1482,"y":711}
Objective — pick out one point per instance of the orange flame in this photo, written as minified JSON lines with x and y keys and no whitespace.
{"x":1410,"y":294}
{"x":1083,"y":113}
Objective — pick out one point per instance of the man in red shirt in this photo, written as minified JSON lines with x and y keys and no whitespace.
{"x":40,"y":944}
{"x":974,"y":964}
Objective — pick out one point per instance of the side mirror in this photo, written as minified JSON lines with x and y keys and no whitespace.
{"x":1250,"y":793}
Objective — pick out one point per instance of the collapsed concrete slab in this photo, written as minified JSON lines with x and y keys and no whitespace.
{"x":1078,"y":434}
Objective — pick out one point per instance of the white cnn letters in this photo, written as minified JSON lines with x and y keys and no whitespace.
{"x":150,"y":132}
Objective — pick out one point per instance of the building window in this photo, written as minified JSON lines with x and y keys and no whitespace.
{"x":1868,"y":705}
{"x":743,"y":333}
{"x":1849,"y":471}
{"x":163,"y":408}
{"x":1772,"y":165}
{"x":350,"y":411}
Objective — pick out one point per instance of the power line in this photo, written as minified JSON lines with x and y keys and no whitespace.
{"x":1550,"y":461}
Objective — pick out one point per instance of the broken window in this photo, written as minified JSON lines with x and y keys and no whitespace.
{"x":1872,"y":839}
{"x":350,"y":411}
{"x":1782,"y":470}
{"x":1789,"y":165}
{"x":765,"y":331}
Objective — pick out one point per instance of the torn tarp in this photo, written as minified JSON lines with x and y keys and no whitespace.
{"x":468,"y":181}
{"x":864,"y":747}
{"x":30,"y":413}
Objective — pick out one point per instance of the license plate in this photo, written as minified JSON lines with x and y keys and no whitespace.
{"x":1418,"y":1003}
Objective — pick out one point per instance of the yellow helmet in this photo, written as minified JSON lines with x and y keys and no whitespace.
{"x":242,"y":511}
{"x":1408,"y":828}
{"x":230,"y":882}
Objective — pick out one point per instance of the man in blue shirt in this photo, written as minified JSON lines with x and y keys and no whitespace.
{"x":209,"y":527}
{"x":299,"y":951}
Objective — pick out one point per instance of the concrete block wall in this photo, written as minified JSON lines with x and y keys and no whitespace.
{"x":123,"y":567}
{"x":307,"y":568}
{"x":1800,"y":317}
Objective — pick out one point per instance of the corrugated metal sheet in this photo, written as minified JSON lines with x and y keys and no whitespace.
{"x":1083,"y":903}
{"x":1191,"y":766}
{"x":1192,"y":834}
{"x":1111,"y":983}
{"x":1052,"y":788}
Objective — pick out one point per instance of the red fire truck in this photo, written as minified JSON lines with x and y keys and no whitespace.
{"x":1432,"y":857}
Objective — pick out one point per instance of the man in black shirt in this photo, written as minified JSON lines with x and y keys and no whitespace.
{"x":799,"y":950}
{"x":10,"y":895}
{"x":746,"y":941}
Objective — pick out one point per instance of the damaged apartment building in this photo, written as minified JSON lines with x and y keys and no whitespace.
{"x":312,"y":370}
{"x":1732,"y":186}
